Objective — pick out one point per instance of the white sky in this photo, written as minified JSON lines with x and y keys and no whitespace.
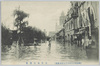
{"x":43,"y":15}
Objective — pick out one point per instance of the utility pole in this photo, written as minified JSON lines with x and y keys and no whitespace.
{"x":64,"y":33}
{"x":19,"y":38}
{"x":19,"y":28}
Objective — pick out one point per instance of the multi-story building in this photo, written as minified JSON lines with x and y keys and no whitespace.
{"x":69,"y":26}
{"x":81,"y":26}
{"x":82,"y":22}
{"x":61,"y":22}
{"x":62,"y":19}
{"x":59,"y":27}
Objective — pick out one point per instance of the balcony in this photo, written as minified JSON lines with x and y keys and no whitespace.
{"x":75,"y":10}
{"x":75,"y":13}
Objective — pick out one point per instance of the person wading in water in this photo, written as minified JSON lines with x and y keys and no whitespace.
{"x":49,"y":42}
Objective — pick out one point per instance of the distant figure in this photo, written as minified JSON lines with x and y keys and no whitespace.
{"x":50,"y":42}
{"x":35,"y":43}
{"x":83,"y":42}
{"x":86,"y":42}
{"x":90,"y":41}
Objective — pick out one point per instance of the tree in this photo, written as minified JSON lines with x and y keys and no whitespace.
{"x":29,"y":33}
{"x":5,"y":37}
{"x":19,"y":23}
{"x":19,"y":17}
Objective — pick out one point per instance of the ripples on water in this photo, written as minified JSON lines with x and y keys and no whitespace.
{"x":55,"y":52}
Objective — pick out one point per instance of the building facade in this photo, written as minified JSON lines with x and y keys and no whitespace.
{"x":82,"y":23}
{"x":61,"y":22}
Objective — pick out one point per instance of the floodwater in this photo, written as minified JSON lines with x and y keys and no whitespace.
{"x":55,"y":52}
{"x":45,"y":52}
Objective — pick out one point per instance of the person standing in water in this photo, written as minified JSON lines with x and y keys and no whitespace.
{"x":50,"y":42}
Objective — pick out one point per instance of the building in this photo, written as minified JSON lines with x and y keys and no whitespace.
{"x":82,"y":22}
{"x":52,"y":35}
{"x":61,"y":22}
{"x":69,"y":26}
{"x":60,"y":36}
{"x":81,"y":27}
{"x":62,"y":19}
{"x":45,"y":32}
{"x":59,"y":28}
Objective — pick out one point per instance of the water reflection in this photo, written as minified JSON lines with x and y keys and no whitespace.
{"x":49,"y":49}
{"x":52,"y":52}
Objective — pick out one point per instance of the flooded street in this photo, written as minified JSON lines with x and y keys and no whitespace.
{"x":50,"y":33}
{"x":54,"y":52}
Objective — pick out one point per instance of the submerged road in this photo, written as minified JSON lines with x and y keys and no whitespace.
{"x":45,"y":52}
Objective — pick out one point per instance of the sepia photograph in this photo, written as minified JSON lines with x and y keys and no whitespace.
{"x":49,"y":32}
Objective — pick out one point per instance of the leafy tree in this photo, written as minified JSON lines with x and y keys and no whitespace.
{"x":5,"y":37}
{"x":29,"y":33}
{"x":19,"y":23}
{"x":19,"y":17}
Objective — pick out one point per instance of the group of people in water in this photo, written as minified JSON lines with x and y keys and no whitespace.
{"x":49,"y":42}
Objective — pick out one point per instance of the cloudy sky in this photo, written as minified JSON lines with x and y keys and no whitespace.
{"x":43,"y":15}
